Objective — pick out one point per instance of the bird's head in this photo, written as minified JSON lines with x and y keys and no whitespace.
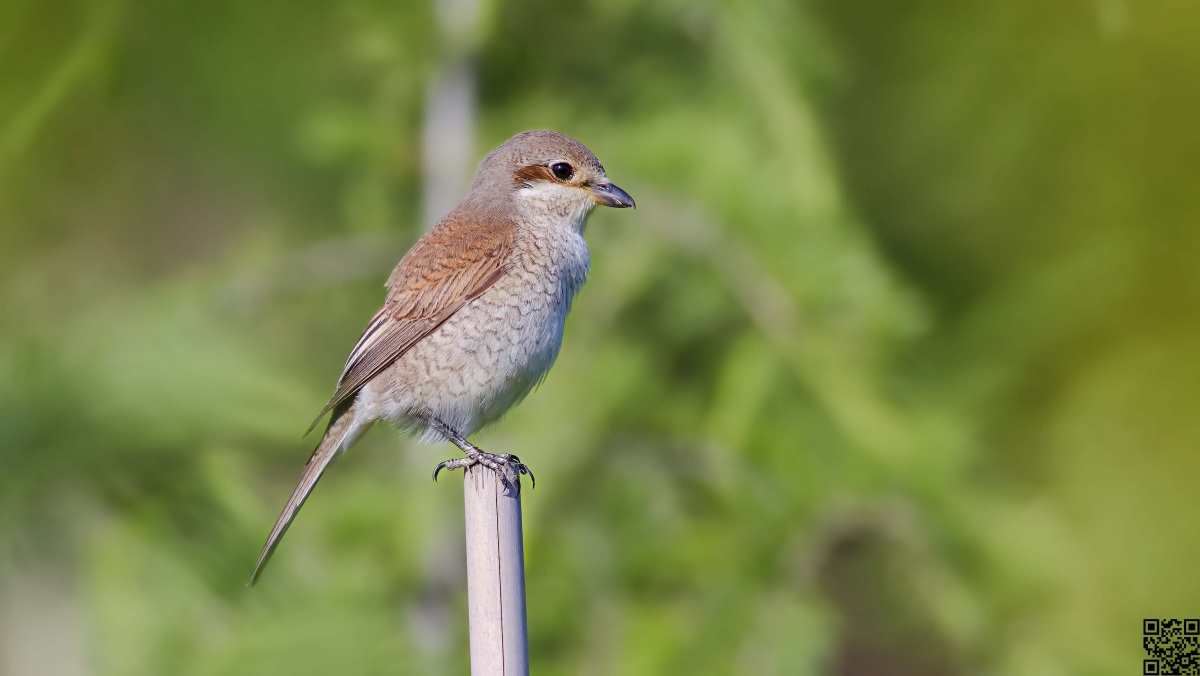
{"x":546,"y":171}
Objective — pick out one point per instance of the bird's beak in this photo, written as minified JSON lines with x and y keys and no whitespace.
{"x":610,"y":195}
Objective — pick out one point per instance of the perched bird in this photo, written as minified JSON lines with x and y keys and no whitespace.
{"x":475,"y":310}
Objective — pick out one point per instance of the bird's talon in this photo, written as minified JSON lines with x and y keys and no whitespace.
{"x":524,"y":469}
{"x":497,"y":462}
{"x":453,"y":464}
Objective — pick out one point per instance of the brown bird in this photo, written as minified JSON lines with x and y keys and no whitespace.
{"x":475,"y":310}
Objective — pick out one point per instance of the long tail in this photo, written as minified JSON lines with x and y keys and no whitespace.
{"x":344,"y":429}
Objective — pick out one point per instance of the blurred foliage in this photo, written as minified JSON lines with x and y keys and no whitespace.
{"x":894,"y":370}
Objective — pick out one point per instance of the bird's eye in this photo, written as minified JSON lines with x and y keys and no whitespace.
{"x":562,"y":171}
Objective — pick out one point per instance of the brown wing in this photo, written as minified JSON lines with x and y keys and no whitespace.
{"x":452,"y":264}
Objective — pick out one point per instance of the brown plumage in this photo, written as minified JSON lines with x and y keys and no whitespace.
{"x":475,"y":310}
{"x":460,"y":258}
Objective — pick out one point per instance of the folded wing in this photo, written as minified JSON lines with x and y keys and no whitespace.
{"x":451,"y":265}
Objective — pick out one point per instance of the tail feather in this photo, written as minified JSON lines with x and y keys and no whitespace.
{"x":344,"y":428}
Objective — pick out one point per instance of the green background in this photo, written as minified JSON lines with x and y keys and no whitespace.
{"x":893,"y":370}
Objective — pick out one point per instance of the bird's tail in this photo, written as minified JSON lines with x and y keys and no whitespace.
{"x":344,"y":429}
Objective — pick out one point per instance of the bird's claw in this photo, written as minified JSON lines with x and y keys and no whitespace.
{"x":522,"y":468}
{"x":452,"y":464}
{"x":498,"y":462}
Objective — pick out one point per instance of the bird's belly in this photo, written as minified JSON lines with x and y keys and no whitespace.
{"x":477,"y":365}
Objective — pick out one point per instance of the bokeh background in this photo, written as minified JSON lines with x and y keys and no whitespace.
{"x":893,"y":370}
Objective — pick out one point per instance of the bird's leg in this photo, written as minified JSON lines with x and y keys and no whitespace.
{"x":509,"y":466}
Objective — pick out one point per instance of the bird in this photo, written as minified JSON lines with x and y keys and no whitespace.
{"x":474,"y":313}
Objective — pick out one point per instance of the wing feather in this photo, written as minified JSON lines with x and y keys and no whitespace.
{"x":451,"y":265}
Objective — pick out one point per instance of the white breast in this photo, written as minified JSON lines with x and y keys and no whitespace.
{"x":497,"y":348}
{"x":547,"y":271}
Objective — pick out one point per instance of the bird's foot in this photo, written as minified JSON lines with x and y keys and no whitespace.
{"x":506,"y":465}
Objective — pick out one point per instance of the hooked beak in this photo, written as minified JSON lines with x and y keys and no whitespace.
{"x":610,"y":195}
